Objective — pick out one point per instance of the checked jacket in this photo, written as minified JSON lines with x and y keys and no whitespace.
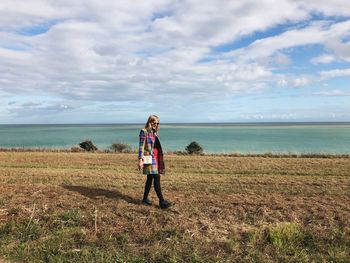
{"x":149,"y":140}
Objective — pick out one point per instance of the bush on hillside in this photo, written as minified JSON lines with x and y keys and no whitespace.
{"x":76,"y":149}
{"x":120,"y":147}
{"x":194,"y":148}
{"x":88,"y":145}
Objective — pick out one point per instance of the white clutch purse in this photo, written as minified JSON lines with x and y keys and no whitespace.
{"x":147,"y":159}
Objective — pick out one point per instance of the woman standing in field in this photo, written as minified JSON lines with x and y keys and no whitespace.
{"x":150,"y":148}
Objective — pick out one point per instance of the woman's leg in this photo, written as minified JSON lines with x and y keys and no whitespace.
{"x":162,"y":203}
{"x":148,"y":186}
{"x":157,"y":187}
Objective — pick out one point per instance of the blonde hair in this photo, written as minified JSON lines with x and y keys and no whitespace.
{"x":151,"y":119}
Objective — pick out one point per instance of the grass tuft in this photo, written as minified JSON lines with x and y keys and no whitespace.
{"x":286,"y":236}
{"x":71,"y":217}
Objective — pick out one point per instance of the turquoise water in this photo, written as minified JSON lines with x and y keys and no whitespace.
{"x":215,"y":138}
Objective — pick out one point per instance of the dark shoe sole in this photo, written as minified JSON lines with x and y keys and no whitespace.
{"x":165,"y":206}
{"x":146,"y":203}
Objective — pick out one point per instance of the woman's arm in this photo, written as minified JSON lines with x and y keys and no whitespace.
{"x":142,"y":141}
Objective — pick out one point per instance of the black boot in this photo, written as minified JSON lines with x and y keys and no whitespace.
{"x":164,"y":204}
{"x":146,"y":201}
{"x":148,"y":186}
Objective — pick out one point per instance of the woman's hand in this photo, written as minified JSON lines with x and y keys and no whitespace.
{"x":140,"y":164}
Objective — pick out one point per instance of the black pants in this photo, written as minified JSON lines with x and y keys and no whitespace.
{"x":148,"y":185}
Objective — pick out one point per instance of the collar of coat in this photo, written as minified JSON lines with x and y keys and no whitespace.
{"x":150,"y":131}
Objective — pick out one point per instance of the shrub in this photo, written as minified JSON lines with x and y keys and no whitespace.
{"x":87,"y":145}
{"x":76,"y":149}
{"x":194,"y":148}
{"x":120,"y":147}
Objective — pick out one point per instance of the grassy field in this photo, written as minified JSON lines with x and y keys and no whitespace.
{"x":85,"y":207}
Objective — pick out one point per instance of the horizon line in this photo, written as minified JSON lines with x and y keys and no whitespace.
{"x":196,"y":123}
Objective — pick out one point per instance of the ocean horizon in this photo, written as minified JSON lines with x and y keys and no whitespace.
{"x":227,"y":137}
{"x":192,"y":123}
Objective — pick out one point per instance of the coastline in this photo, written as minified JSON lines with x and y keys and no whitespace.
{"x":180,"y":153}
{"x":186,"y":123}
{"x":219,"y":138}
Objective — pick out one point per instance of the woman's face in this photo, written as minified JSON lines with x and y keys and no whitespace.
{"x":154,"y":124}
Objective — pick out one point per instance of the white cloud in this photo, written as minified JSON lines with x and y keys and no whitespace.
{"x":245,"y":73}
{"x":323,"y":59}
{"x":301,"y":81}
{"x":37,"y":108}
{"x":317,"y":33}
{"x":335,"y":73}
{"x":282,"y":83}
{"x":282,"y":59}
{"x":14,"y":56}
{"x":328,"y":8}
{"x":271,"y":45}
{"x":332,"y":93}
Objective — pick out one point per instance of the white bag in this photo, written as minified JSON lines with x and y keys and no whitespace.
{"x":147,"y":159}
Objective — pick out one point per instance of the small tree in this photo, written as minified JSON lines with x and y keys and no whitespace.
{"x":87,"y":145}
{"x":194,"y":148}
{"x":120,"y":147}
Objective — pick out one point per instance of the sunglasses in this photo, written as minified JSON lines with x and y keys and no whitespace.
{"x":157,"y":123}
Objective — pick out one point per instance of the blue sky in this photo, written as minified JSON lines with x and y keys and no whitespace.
{"x":186,"y":61}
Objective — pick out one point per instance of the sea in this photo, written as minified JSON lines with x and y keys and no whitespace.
{"x":227,"y":138}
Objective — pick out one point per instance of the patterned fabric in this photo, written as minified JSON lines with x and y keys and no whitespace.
{"x":149,"y":140}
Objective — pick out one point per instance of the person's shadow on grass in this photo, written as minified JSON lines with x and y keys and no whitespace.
{"x":93,"y":193}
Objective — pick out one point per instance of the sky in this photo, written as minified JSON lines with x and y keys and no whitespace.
{"x":118,"y":61}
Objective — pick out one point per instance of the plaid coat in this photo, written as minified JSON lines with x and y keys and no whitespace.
{"x":146,"y":145}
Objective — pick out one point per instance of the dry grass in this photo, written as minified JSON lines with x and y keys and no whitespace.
{"x":70,"y":207}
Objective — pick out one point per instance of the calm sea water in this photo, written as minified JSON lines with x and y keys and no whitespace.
{"x":215,"y":138}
